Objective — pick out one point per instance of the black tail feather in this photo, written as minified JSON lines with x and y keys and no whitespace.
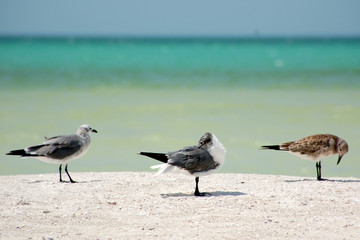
{"x":272,"y":147}
{"x":19,"y":152}
{"x":158,"y":156}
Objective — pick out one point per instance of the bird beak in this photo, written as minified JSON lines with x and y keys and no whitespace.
{"x":339,"y":159}
{"x":93,"y":130}
{"x":200,"y":145}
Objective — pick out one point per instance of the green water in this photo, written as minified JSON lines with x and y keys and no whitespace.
{"x":160,"y":95}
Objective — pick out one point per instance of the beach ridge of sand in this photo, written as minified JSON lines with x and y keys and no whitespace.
{"x":139,"y":205}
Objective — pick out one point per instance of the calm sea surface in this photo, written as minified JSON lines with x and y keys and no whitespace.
{"x":161,"y":95}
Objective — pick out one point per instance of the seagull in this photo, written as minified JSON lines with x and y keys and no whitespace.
{"x":60,"y":149}
{"x":203,"y":159}
{"x":315,"y":148}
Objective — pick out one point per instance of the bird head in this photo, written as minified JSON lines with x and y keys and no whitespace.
{"x":206,"y":141}
{"x":342,"y":149}
{"x":86,"y":128}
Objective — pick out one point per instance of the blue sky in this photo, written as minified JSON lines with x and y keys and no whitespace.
{"x":180,"y":18}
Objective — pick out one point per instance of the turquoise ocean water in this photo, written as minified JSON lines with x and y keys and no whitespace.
{"x":163,"y":94}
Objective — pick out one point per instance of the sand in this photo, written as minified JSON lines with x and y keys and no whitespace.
{"x":135,"y":205}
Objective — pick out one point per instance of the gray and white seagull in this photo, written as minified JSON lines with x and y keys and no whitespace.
{"x":60,"y":149}
{"x":203,"y":159}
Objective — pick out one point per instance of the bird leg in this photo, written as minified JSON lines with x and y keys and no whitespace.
{"x":318,"y":171}
{"x":60,"y":173}
{"x":66,"y":170}
{"x":197,"y":193}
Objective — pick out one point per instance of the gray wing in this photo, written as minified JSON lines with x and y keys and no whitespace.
{"x":192,"y":159}
{"x":58,"y":147}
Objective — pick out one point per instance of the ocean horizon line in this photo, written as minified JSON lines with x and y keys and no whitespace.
{"x":179,"y":38}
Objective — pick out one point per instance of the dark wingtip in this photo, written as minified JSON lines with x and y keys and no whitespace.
{"x":158,"y":156}
{"x":20,"y":152}
{"x":272,"y":147}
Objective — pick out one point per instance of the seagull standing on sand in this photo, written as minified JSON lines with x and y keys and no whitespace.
{"x":60,"y":149}
{"x":203,"y":159}
{"x":315,"y":148}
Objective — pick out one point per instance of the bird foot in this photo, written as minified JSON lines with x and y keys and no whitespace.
{"x":71,"y":181}
{"x":199,"y":194}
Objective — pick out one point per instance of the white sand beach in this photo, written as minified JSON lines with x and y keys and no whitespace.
{"x":138,"y":205}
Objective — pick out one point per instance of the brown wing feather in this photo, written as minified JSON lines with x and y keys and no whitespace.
{"x":311,"y":144}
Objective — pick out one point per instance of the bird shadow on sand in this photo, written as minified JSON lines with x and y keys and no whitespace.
{"x":63,"y":182}
{"x":90,"y":181}
{"x":324,"y":180}
{"x":212,"y":194}
{"x":80,"y":182}
{"x":37,"y":181}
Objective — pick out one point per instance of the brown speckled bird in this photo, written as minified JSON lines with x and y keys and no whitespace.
{"x":315,"y":148}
